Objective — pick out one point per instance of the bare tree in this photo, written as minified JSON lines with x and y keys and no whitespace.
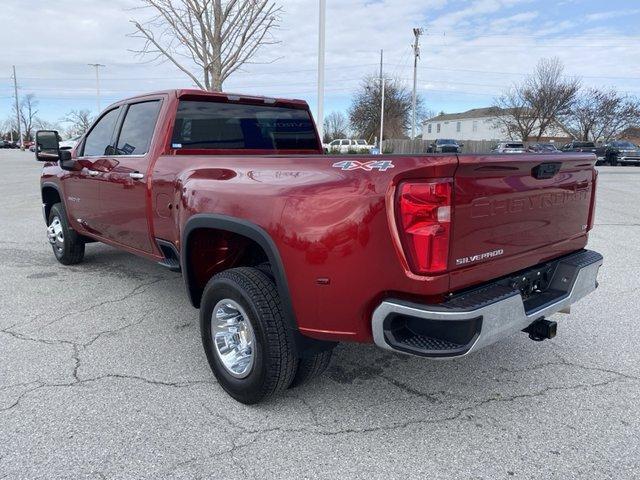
{"x":27,"y":112}
{"x":364,"y":113}
{"x":602,"y":115}
{"x":336,"y":125}
{"x":219,"y":36}
{"x":512,"y":114}
{"x":532,"y":108}
{"x":550,"y":94}
{"x":42,"y":124}
{"x":8,"y":128}
{"x":79,"y":122}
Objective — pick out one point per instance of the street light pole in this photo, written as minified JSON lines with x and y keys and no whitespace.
{"x":15,"y":89}
{"x":97,"y":66}
{"x":321,"y":43}
{"x":417,"y":32}
{"x":382,"y":116}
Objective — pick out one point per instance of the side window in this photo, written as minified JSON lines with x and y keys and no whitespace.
{"x":335,"y":143}
{"x":137,"y":128}
{"x":98,"y":141}
{"x":429,"y":128}
{"x":345,"y":142}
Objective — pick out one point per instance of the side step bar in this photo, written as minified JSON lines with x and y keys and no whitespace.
{"x":171,"y":256}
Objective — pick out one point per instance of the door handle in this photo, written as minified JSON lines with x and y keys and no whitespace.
{"x":136,"y":175}
{"x":93,"y":173}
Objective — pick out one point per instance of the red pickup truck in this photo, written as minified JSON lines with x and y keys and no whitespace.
{"x":287,"y":251}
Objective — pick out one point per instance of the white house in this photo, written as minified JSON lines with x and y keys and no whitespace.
{"x":477,"y":124}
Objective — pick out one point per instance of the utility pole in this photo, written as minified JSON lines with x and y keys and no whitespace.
{"x":15,"y":89}
{"x":417,"y":32}
{"x":382,"y":116}
{"x":381,"y":59}
{"x":321,"y":32}
{"x":97,"y":66}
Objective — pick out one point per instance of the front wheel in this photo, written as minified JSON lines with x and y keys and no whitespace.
{"x":244,"y":334}
{"x":68,"y":246}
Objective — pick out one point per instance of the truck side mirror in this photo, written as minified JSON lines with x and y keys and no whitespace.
{"x":47,"y":146}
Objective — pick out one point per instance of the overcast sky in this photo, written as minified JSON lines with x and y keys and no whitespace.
{"x":471,"y":51}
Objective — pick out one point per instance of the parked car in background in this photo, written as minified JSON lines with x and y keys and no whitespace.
{"x":345,"y":145}
{"x":509,"y":147}
{"x":619,"y":152}
{"x":579,"y":146}
{"x":8,"y":144}
{"x":70,"y":143}
{"x":444,"y":145}
{"x":542,"y":148}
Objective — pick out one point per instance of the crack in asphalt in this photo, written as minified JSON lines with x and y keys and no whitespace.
{"x":83,"y":381}
{"x":232,"y":450}
{"x":76,"y":350}
{"x":136,"y":291}
{"x":410,"y":390}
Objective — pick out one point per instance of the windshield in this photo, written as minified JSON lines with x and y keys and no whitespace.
{"x":514,"y":145}
{"x":623,"y":145}
{"x":232,"y":126}
{"x":445,"y":141}
{"x":584,"y":144}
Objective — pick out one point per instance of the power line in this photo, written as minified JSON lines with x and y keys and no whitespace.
{"x":502,"y":72}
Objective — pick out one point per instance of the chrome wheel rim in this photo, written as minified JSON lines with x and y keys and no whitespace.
{"x":55,"y":233}
{"x":233,"y":338}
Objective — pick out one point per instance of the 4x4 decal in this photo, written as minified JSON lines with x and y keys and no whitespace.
{"x":348,"y":165}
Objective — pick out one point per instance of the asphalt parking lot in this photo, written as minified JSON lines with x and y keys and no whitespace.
{"x":102,"y":375}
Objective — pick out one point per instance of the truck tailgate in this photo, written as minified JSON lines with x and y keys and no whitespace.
{"x":507,"y":206}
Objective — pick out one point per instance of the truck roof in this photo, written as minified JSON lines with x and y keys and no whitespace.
{"x":194,"y":93}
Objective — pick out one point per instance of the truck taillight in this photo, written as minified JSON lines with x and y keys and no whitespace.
{"x":424,"y":222}
{"x":592,"y":207}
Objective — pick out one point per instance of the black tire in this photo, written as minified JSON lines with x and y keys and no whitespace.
{"x":71,"y":250}
{"x":311,"y":368}
{"x":275,"y":363}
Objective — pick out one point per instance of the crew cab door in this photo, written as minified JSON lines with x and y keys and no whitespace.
{"x":125,"y":191}
{"x":81,"y":186}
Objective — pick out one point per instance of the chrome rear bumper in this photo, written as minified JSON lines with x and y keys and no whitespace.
{"x":477,"y":318}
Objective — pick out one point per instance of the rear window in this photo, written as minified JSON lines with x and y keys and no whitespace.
{"x":584,"y":144}
{"x":514,"y":145}
{"x":214,"y":125}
